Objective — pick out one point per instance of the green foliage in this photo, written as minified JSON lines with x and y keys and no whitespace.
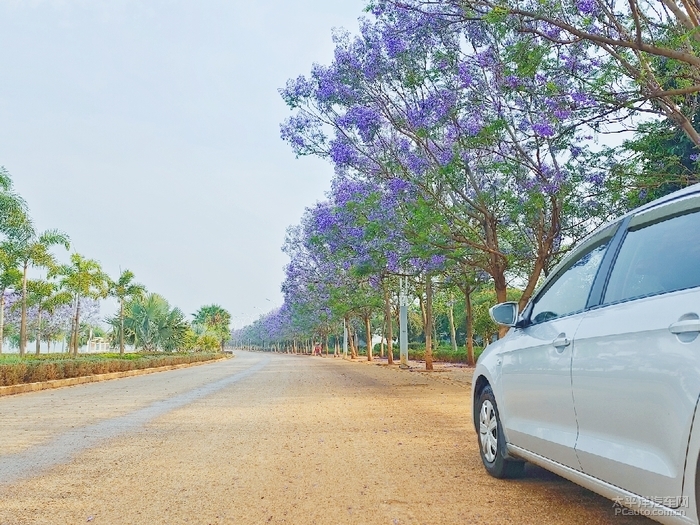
{"x":13,"y":209}
{"x":90,"y":331}
{"x":16,"y":370}
{"x":124,"y":288}
{"x":659,"y":160}
{"x":444,"y":354}
{"x":207,"y":343}
{"x":150,"y":324}
{"x":214,"y":322}
{"x":83,"y":278}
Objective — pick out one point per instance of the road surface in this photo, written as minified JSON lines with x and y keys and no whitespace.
{"x":267,"y":439}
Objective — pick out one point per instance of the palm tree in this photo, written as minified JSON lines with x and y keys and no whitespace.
{"x":30,"y":248}
{"x":13,"y":209}
{"x":216,"y":320}
{"x":151,"y":324}
{"x":82,"y":278}
{"x":124,"y":289}
{"x":13,"y":219}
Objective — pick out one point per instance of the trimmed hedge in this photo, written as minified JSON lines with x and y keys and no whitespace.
{"x":445,"y":354}
{"x":35,"y":369}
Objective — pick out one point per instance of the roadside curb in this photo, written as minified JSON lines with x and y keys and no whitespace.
{"x":23,"y":388}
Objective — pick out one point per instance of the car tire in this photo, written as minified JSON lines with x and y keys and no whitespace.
{"x":492,"y":443}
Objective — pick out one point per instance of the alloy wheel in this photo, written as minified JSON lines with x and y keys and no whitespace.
{"x":488,"y":431}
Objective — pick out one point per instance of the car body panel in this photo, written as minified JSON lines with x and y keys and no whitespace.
{"x":635,"y":387}
{"x":652,"y":508}
{"x":538,"y":410}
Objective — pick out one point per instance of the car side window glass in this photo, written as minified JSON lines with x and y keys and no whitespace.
{"x":658,"y":258}
{"x":569,"y":292}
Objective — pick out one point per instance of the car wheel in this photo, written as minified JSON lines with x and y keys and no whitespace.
{"x":492,"y":443}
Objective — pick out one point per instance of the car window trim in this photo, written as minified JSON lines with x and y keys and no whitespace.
{"x":664,"y":212}
{"x":646,"y":219}
{"x":600,"y":283}
{"x":610,"y":233}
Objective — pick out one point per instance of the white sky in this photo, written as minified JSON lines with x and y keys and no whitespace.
{"x":149,"y":132}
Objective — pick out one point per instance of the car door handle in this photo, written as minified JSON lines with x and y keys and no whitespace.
{"x":561,"y":341}
{"x":683,"y":327}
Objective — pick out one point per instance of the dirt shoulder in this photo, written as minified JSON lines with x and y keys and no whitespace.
{"x":303,"y":441}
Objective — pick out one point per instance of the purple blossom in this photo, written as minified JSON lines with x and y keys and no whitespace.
{"x":342,"y":153}
{"x":295,"y":90}
{"x":365,"y":119}
{"x":473,"y":126}
{"x":581,"y":99}
{"x":596,"y":178}
{"x":485,"y":59}
{"x":302,"y":132}
{"x":550,"y":30}
{"x":417,"y":163}
{"x":394,"y":45}
{"x":512,"y":81}
{"x":465,"y":76}
{"x":543,"y":129}
{"x":562,"y":113}
{"x":587,"y":7}
{"x":398,"y":185}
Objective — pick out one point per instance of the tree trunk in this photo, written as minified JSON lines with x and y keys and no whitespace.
{"x":121,"y":326}
{"x":421,"y":303}
{"x":497,"y":263}
{"x":351,"y":341}
{"x":389,"y":325}
{"x":2,"y":319}
{"x":368,"y":334}
{"x":76,"y":332}
{"x":38,"y":331}
{"x":23,"y":321}
{"x":453,"y":331}
{"x":428,"y":323}
{"x":470,"y":326}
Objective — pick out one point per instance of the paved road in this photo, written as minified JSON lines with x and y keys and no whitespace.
{"x":266,"y":439}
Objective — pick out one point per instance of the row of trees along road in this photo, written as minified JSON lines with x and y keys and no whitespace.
{"x":469,"y":141}
{"x":49,"y":309}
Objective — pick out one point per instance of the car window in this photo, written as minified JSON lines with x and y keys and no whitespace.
{"x":569,"y":292}
{"x":658,"y":258}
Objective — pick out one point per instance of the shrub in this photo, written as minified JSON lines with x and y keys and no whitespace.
{"x":35,"y":369}
{"x":416,"y":352}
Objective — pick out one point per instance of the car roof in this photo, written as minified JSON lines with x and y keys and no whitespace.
{"x":688,"y":190}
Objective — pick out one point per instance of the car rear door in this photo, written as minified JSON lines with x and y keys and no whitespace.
{"x":636,"y":361}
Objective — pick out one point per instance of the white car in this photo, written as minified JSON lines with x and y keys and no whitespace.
{"x":598,"y":379}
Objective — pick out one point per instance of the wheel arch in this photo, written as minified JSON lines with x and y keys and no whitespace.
{"x":479,"y":385}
